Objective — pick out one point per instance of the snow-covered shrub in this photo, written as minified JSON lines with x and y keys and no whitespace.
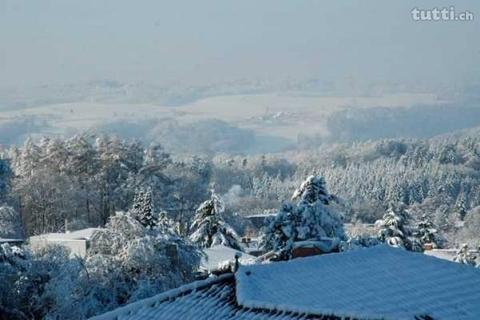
{"x":13,"y":262}
{"x":209,"y":228}
{"x":464,"y":256}
{"x":56,"y":284}
{"x":10,"y":223}
{"x":42,"y":284}
{"x":310,"y":219}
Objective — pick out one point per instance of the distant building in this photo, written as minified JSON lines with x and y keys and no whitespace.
{"x":261,"y":219}
{"x":16,"y":242}
{"x":371,"y":283}
{"x":77,"y":241}
{"x":366,"y":229}
{"x":217,"y":256}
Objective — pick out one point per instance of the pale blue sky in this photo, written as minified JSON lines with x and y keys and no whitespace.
{"x":196,"y":42}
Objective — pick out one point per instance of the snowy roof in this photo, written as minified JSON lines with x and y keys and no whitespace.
{"x":83,"y":234}
{"x":209,"y":299}
{"x":219,"y":254}
{"x":379,"y":282}
{"x":262,"y":215}
{"x":4,"y":240}
{"x":374,"y":283}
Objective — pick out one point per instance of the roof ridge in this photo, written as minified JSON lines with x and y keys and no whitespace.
{"x":169,"y":294}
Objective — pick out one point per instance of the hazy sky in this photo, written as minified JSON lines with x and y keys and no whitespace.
{"x":204,"y":41}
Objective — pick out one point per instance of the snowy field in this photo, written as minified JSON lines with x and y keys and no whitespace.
{"x":281,"y":115}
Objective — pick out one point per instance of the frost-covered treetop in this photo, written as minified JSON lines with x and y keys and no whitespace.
{"x":311,"y":190}
{"x":212,"y":206}
{"x":208,"y":227}
{"x":310,"y":219}
{"x":142,"y":208}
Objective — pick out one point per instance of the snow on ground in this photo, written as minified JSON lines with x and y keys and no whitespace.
{"x":447,"y":254}
{"x":379,"y":282}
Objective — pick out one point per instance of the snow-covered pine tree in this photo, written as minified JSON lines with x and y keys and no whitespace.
{"x":461,"y":206}
{"x":426,"y":233}
{"x":393,"y":229}
{"x":311,"y":190}
{"x":142,"y":208}
{"x":310,"y":219}
{"x":464,"y":256}
{"x":209,"y":228}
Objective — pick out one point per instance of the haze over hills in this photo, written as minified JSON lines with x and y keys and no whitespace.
{"x":271,"y":74}
{"x":279,"y":116}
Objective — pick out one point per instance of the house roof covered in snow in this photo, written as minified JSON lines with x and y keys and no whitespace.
{"x":209,"y":299}
{"x":219,"y":254}
{"x":373,"y":283}
{"x":379,"y":282}
{"x":83,"y":234}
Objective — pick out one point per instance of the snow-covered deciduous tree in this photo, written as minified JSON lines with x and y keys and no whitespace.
{"x":464,"y":256}
{"x":394,"y":229}
{"x":43,"y":284}
{"x":12,"y":264}
{"x":134,"y":261}
{"x":142,"y":208}
{"x":209,"y":228}
{"x":10,"y":223}
{"x":310,"y":219}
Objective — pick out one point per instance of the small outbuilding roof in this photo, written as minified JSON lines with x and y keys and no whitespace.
{"x":83,"y":234}
{"x":217,"y":255}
